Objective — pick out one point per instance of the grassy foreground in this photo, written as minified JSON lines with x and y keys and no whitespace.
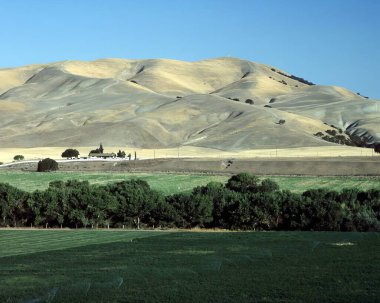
{"x":174,"y":183}
{"x":153,"y":266}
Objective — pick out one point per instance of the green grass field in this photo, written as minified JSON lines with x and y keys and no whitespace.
{"x":173,"y":183}
{"x":160,"y":266}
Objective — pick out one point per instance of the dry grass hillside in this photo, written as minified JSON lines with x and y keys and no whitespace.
{"x":156,"y":104}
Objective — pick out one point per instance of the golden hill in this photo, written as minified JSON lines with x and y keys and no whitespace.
{"x":166,"y":103}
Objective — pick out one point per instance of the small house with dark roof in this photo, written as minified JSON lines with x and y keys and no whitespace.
{"x":102,"y":155}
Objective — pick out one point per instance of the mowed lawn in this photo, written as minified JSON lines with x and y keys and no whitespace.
{"x":169,"y":266}
{"x":173,"y":183}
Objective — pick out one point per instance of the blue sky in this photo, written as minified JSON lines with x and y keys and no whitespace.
{"x":332,"y":42}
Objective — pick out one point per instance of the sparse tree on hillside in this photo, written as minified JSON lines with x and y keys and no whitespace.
{"x":18,"y":158}
{"x":70,"y":153}
{"x":101,"y":150}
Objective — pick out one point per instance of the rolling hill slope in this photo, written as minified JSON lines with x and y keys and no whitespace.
{"x":161,"y":103}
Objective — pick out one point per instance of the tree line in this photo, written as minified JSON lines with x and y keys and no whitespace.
{"x":243,"y":203}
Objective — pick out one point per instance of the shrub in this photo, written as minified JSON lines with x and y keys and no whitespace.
{"x":121,"y":154}
{"x":243,"y":183}
{"x":302,"y":80}
{"x":235,"y":99}
{"x":272,"y":100}
{"x":299,"y":79}
{"x":268,"y":185}
{"x":99,"y":150}
{"x":47,"y":165}
{"x":249,"y":101}
{"x":281,"y":122}
{"x":267,"y":106}
{"x":245,"y":75}
{"x":377,"y":147}
{"x":133,"y":81}
{"x":331,"y":132}
{"x":18,"y":157}
{"x":70,"y":153}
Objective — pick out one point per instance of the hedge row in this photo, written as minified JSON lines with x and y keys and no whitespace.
{"x":243,"y":203}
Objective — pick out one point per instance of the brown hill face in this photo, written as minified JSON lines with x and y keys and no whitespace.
{"x":167,"y":103}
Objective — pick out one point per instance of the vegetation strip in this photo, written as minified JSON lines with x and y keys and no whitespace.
{"x":245,"y":202}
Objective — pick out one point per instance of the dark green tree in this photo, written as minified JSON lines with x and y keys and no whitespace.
{"x":192,"y":209}
{"x":46,"y":165}
{"x":18,"y":158}
{"x":266,"y":209}
{"x":377,"y":147}
{"x":237,"y":212}
{"x":98,"y":150}
{"x":78,"y":199}
{"x":268,"y":185}
{"x":50,"y":207}
{"x":14,"y":210}
{"x":163,"y":214}
{"x":101,"y":207}
{"x":70,"y":153}
{"x":365,"y":219}
{"x":293,"y":212}
{"x":135,"y":201}
{"x":221,"y":198}
{"x":243,"y":183}
{"x":121,"y":154}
